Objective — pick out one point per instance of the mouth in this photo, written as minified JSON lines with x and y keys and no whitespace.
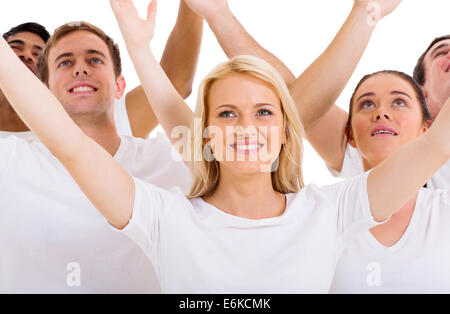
{"x":83,"y":89}
{"x":247,"y":148}
{"x":384,"y":131}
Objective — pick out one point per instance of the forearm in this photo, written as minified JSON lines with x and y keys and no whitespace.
{"x":318,"y":88}
{"x":36,"y":105}
{"x":328,"y":138}
{"x":235,"y":41}
{"x":168,"y":106}
{"x":393,"y":182}
{"x":181,"y":54}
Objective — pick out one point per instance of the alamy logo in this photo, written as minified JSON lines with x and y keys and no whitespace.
{"x":374,"y":275}
{"x":73,"y":279}
{"x":374,"y":10}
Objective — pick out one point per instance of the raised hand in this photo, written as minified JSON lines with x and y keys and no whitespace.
{"x":377,"y":9}
{"x":135,"y":30}
{"x":207,"y":8}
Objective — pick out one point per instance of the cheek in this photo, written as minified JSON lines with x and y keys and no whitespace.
{"x":410,"y":126}
{"x":360,"y":125}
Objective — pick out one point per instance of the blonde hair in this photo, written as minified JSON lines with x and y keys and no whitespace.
{"x":287,"y":178}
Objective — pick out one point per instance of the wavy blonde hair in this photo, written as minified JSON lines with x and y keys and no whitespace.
{"x":287,"y":178}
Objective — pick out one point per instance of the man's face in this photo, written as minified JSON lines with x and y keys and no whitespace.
{"x":81,"y":74}
{"x":28,"y":47}
{"x":437,"y":76}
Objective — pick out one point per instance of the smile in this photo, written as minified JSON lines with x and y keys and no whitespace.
{"x":83,"y":89}
{"x":384,"y":131}
{"x":246,"y":148}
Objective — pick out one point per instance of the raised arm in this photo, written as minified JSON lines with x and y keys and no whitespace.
{"x":319,"y":86}
{"x":393,"y":182}
{"x":108,"y":186}
{"x":317,"y":89}
{"x":179,"y":61}
{"x":168,"y":105}
{"x":232,"y":36}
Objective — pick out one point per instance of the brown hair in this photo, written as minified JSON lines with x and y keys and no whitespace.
{"x":287,"y":177}
{"x":68,"y":28}
{"x":419,"y":70}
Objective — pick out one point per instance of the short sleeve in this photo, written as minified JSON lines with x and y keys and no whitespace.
{"x":156,"y":161}
{"x":352,"y":201}
{"x":150,"y":205}
{"x":7,"y":148}
{"x":352,"y":165}
{"x":121,"y":117}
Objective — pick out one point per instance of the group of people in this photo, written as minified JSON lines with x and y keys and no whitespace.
{"x":93,"y":205}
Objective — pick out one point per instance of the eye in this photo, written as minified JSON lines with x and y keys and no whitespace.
{"x":399,"y":103}
{"x":96,"y":61}
{"x":441,"y":53}
{"x":64,"y":63}
{"x":227,"y":114}
{"x":264,"y":112}
{"x":367,"y":105}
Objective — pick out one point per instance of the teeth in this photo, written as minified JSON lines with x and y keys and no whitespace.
{"x":83,"y":89}
{"x":384,"y":132}
{"x":247,"y":147}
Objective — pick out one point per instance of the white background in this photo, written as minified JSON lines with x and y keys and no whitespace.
{"x":296,"y":31}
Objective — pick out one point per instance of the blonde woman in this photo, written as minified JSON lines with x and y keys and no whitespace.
{"x":243,"y":230}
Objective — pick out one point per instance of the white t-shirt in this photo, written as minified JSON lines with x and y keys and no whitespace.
{"x":418,"y":263}
{"x":353,"y":166}
{"x":52,"y":240}
{"x":121,"y":117}
{"x":197,"y":248}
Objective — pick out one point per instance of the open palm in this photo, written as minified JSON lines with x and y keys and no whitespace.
{"x":135,"y":30}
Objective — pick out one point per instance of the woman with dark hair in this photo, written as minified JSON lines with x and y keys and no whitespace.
{"x":411,"y":252}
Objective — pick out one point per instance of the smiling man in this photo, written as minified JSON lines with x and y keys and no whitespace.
{"x":51,"y":238}
{"x":27,"y":40}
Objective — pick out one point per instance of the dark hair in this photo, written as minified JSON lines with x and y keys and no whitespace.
{"x":34,"y":28}
{"x":419,"y":70}
{"x":68,"y":28}
{"x":426,"y":116}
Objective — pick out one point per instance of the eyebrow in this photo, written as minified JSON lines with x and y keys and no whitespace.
{"x":395,"y":92}
{"x":234,"y":107}
{"x":21,"y":42}
{"x":366,"y":95}
{"x":437,"y":48}
{"x":96,"y":52}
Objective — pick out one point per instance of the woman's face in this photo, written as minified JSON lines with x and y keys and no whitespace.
{"x":245,"y":123}
{"x":386,"y":115}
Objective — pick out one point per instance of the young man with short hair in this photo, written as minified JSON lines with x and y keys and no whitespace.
{"x":52,"y":239}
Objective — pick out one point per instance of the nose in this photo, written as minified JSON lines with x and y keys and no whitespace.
{"x":80,"y":71}
{"x":27,"y":56}
{"x":382,"y":114}
{"x":246,"y":127}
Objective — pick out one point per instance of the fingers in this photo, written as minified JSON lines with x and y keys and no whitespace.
{"x":152,"y":11}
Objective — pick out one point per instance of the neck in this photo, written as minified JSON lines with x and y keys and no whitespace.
{"x":247,"y":195}
{"x":9,"y":119}
{"x":101,"y":129}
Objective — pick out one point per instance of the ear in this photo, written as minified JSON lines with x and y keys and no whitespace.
{"x":121,"y":85}
{"x":350,"y":138}
{"x":426,"y":94}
